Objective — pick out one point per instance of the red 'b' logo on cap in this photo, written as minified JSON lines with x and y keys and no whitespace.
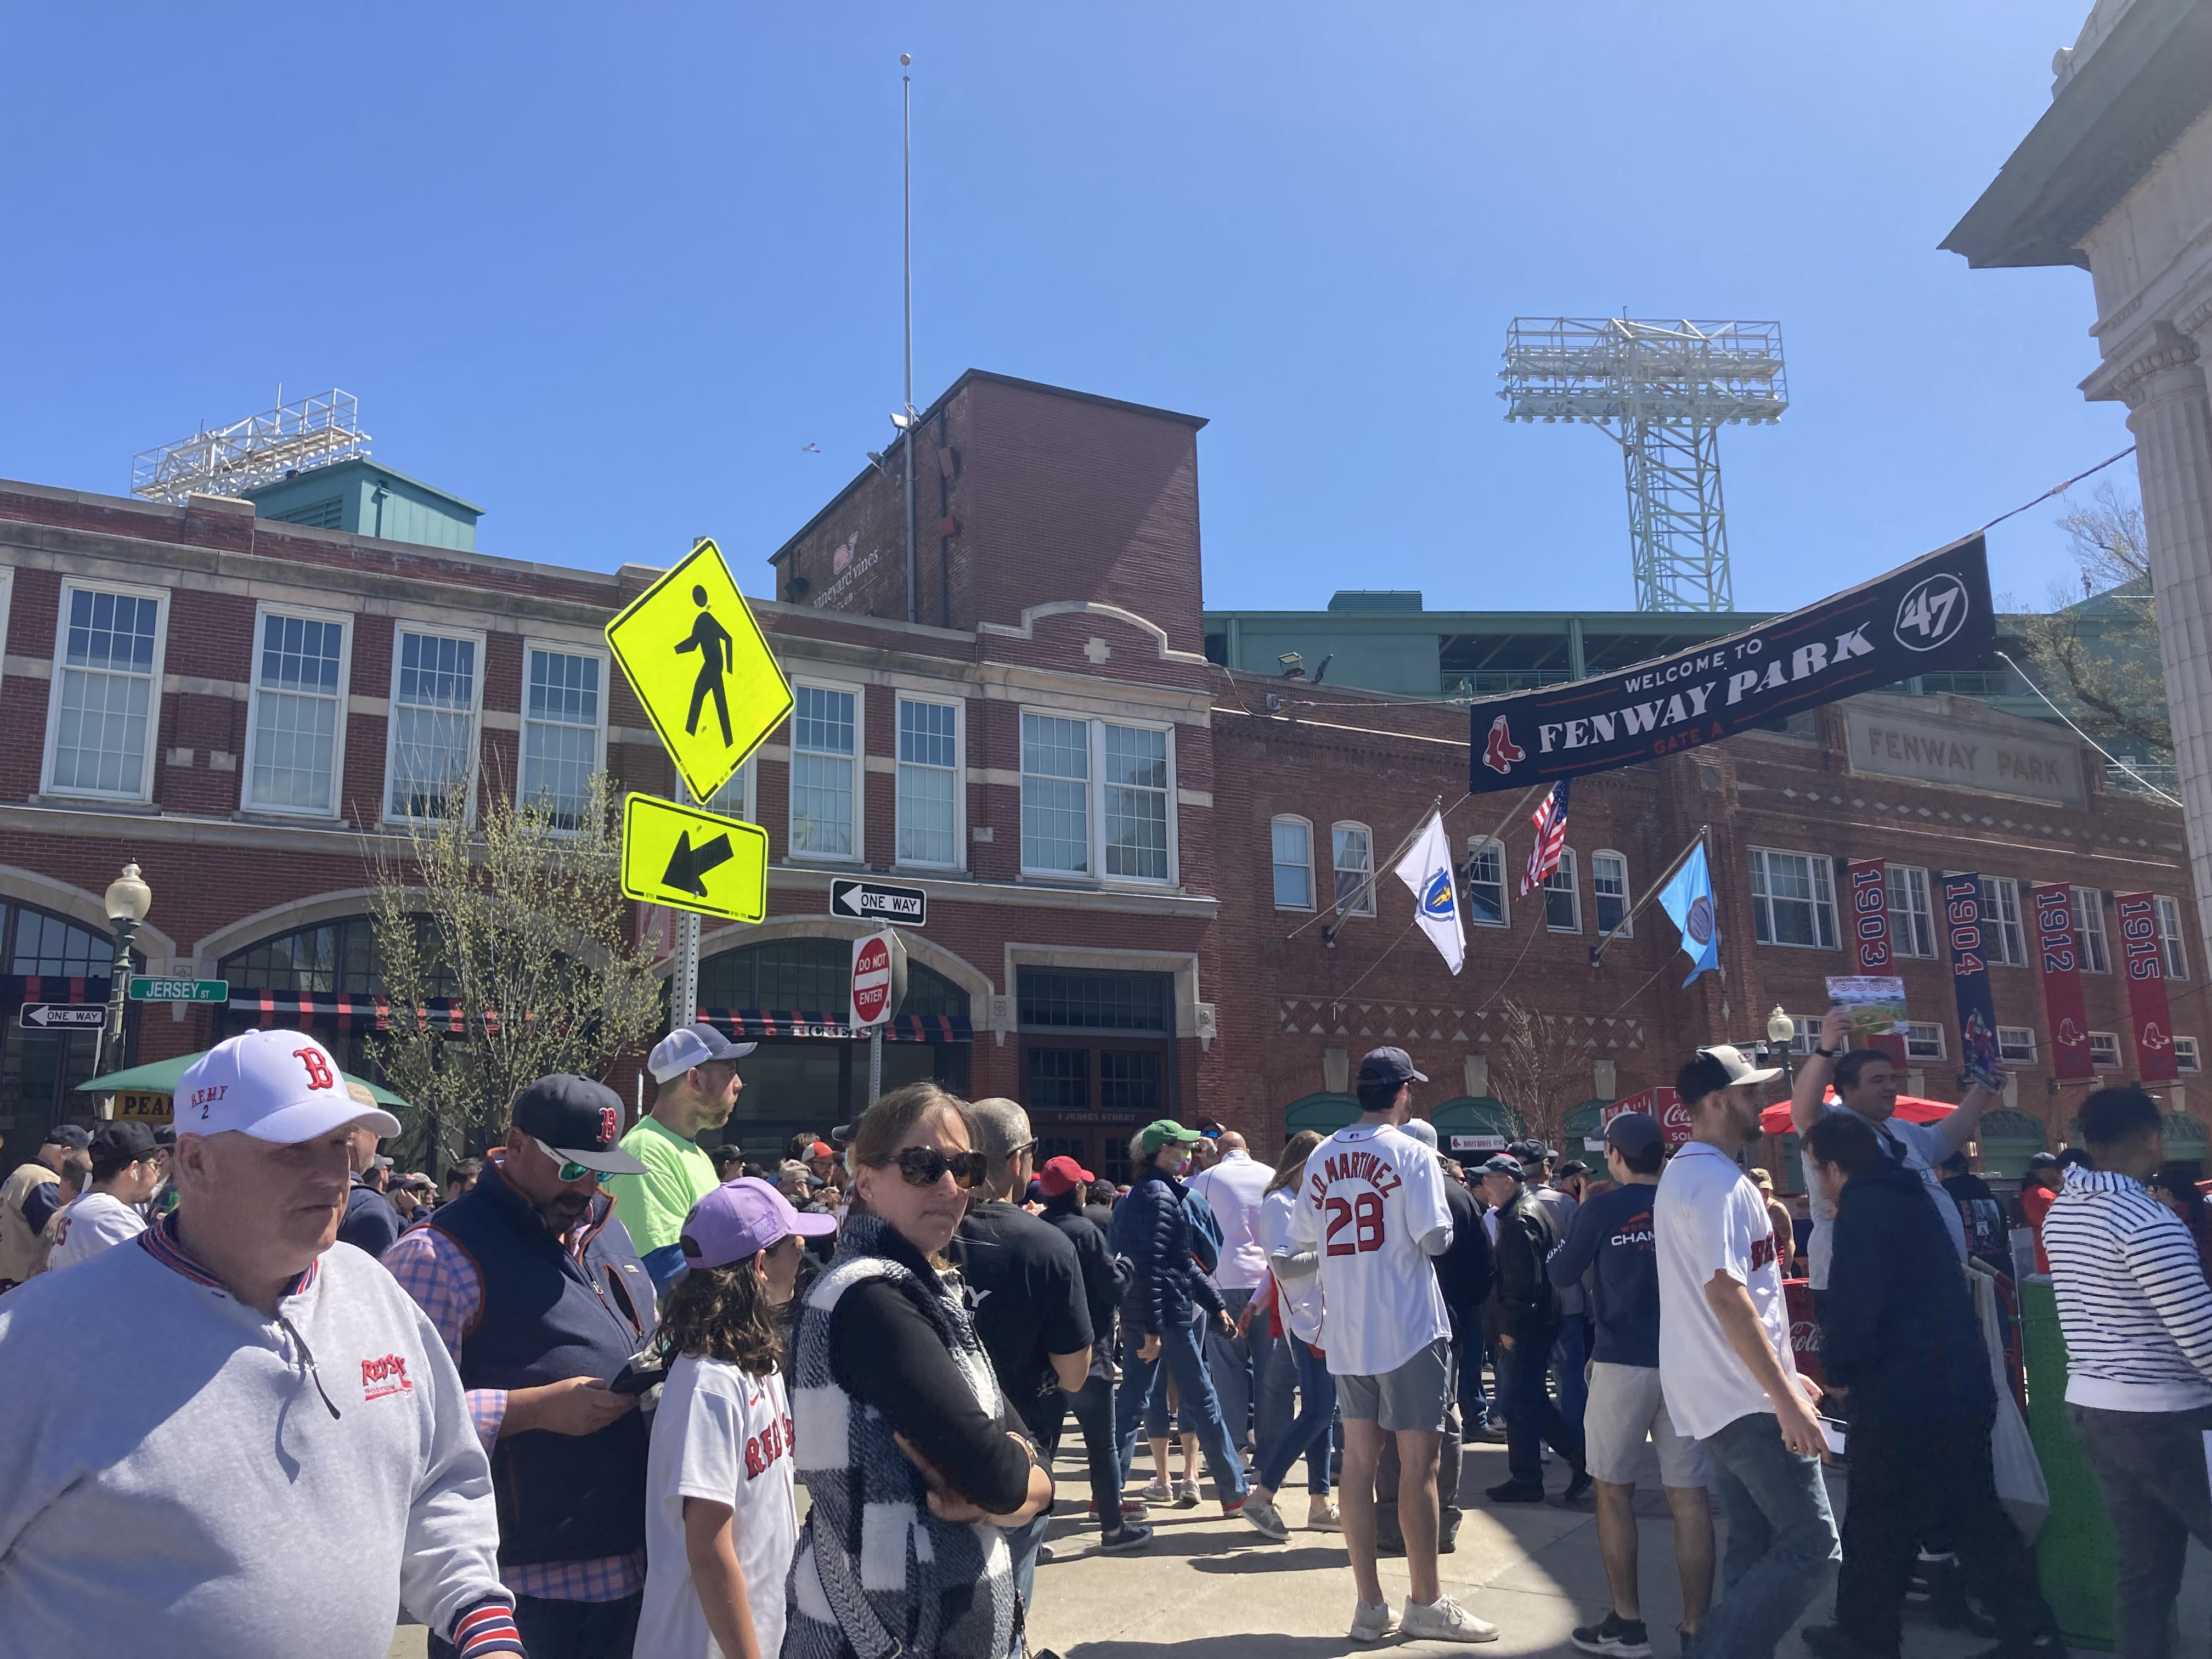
{"x":319,"y":1073}
{"x":609,"y":1124}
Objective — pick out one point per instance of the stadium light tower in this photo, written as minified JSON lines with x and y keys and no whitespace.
{"x":1662,"y":390}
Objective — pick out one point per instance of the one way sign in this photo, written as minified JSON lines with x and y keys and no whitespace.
{"x":879,"y":901}
{"x":54,"y":1016}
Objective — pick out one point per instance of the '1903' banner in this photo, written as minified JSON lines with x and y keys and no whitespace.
{"x":2061,"y":983}
{"x":2147,"y":1009}
{"x":1869,"y":880}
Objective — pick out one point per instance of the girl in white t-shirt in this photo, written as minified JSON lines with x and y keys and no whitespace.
{"x":721,"y":1523}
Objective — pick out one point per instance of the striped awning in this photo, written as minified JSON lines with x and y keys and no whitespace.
{"x":347,"y":1010}
{"x":53,"y":987}
{"x":750,"y":1025}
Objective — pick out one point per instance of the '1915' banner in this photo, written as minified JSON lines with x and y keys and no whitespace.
{"x":1868,"y":881}
{"x":2147,"y":1009}
{"x":2062,"y":982}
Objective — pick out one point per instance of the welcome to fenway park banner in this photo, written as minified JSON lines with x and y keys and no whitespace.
{"x":1932,"y":614}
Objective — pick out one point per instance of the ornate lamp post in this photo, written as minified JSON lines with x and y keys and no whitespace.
{"x":129,"y":899}
{"x":1781,"y":1034}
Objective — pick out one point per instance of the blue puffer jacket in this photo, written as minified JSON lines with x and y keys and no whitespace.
{"x":1152,"y":1229}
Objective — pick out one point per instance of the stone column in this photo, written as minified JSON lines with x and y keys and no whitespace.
{"x":2163,"y":384}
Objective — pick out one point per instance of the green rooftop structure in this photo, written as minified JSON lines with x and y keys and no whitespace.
{"x":365,"y":498}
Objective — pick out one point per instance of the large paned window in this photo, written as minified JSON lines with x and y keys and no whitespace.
{"x":734,"y":799}
{"x":295,"y":730}
{"x":1793,"y":899}
{"x":1485,"y":884}
{"x":107,"y":692}
{"x":436,"y":693}
{"x":1293,"y":840}
{"x":811,"y":976}
{"x":1136,"y":802}
{"x":2002,"y":934}
{"x":1055,"y":795}
{"x":928,"y":782}
{"x":1911,"y":922}
{"x":563,"y":721}
{"x":824,"y":771}
{"x":1098,"y":1042}
{"x":1098,"y":798}
{"x":1609,"y":883}
{"x":2089,"y":935}
{"x":44,"y":943}
{"x":1562,"y":903}
{"x":2169,"y":939}
{"x":1355,"y":850}
{"x":337,"y":956}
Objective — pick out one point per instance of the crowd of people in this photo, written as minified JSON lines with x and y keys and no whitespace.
{"x":564,"y":1405}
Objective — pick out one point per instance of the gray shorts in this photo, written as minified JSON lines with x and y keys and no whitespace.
{"x":1419,"y":1394}
{"x":1625,"y":1404}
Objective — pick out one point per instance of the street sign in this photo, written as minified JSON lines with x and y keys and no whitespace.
{"x":878,"y":978}
{"x":879,"y":901}
{"x":697,"y":661}
{"x":143,"y":989}
{"x":689,"y":859}
{"x":61,"y":1016}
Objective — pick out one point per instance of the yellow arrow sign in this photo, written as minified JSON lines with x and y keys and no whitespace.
{"x":698,"y":664}
{"x":693,"y":861}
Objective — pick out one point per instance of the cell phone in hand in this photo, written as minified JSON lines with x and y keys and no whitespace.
{"x":641,"y":1370}
{"x":1834,"y":1433}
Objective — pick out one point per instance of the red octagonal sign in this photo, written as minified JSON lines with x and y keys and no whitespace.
{"x":871,"y":981}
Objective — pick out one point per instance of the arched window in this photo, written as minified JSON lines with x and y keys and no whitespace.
{"x":1353,"y":850}
{"x":338,"y":955}
{"x":1293,"y":852}
{"x":1609,"y":884}
{"x":812,"y":975}
{"x":1485,"y":883}
{"x":39,"y":942}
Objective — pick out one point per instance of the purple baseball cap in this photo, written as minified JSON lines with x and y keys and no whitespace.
{"x":742,"y":1218}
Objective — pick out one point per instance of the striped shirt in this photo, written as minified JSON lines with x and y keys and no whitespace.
{"x":2132,"y":1299}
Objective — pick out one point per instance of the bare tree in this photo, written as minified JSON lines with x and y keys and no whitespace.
{"x":2099,"y":648}
{"x":1535,"y":1065}
{"x":518,"y":926}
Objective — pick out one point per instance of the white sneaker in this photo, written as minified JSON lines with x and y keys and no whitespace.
{"x":1444,"y":1621}
{"x":1373,"y":1624}
{"x":1158,"y":1492}
{"x":1266,"y":1519}
{"x":1321,"y":1517}
{"x":1186,"y":1496}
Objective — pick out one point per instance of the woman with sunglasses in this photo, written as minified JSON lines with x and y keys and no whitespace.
{"x":912,"y":1457}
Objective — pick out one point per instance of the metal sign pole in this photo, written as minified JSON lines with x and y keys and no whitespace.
{"x":875,"y":1064}
{"x":684,"y":1003}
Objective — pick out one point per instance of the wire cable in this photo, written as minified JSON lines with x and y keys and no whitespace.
{"x":2149,"y":786}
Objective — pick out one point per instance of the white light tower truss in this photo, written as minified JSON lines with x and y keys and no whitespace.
{"x":1662,"y":390}
{"x":315,"y":431}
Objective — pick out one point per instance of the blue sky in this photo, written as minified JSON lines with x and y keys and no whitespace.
{"x":607,"y":272}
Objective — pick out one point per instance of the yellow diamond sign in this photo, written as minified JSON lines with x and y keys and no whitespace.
{"x":693,"y":861}
{"x":698,"y":664}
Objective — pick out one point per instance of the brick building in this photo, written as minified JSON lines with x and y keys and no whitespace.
{"x":1130,"y":852}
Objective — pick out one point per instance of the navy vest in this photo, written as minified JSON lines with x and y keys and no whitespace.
{"x":562,"y":1498}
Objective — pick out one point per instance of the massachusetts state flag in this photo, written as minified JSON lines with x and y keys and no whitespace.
{"x":1427,"y":869}
{"x":1551,"y":821}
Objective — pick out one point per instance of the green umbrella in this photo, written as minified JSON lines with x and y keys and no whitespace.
{"x":160,"y":1077}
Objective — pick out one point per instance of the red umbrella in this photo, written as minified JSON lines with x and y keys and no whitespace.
{"x":1775,"y":1120}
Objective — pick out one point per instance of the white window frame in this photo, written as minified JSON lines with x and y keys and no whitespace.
{"x":2090,"y":930}
{"x":1366,"y":905}
{"x":262,"y":612}
{"x":427,"y":630}
{"x":144,"y":793}
{"x":1275,"y":863}
{"x":2103,"y":1044}
{"x":747,"y":780}
{"x":1823,"y":899}
{"x":1917,"y":1031}
{"x":2172,"y":949}
{"x":1627,"y":896}
{"x":2013,"y":1038}
{"x":859,"y":693}
{"x":1906,"y":925}
{"x":1097,"y":876}
{"x":8,"y":603}
{"x":564,"y":648}
{"x":2186,"y":1055}
{"x":959,"y":770}
{"x":1476,"y":845}
{"x":1569,"y":886}
{"x":2007,"y":934}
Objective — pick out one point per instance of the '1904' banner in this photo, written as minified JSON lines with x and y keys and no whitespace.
{"x":2147,"y":1009}
{"x":1869,"y":880}
{"x":2063,"y":1006}
{"x":1970,"y":978}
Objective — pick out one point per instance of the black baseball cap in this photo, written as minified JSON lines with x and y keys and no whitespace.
{"x":2043,"y":1161}
{"x":1633,"y":1134}
{"x":579,"y":1119}
{"x":1502,"y":1163}
{"x":1573,"y":1166}
{"x":123,"y":1141}
{"x":71,"y":1135}
{"x":1388,"y":1065}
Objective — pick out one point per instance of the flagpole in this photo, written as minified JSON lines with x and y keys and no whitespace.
{"x":1359,"y":893}
{"x":1651,"y":890}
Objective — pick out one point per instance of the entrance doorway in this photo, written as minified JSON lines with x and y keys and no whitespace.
{"x":1097,"y":1061}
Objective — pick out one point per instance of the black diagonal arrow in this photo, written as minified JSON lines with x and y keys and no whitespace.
{"x":687,"y":864}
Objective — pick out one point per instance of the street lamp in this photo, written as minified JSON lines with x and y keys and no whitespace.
{"x":1782,"y":1033}
{"x":129,"y":899}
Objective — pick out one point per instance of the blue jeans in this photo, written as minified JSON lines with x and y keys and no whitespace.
{"x":1309,"y":1433}
{"x":1571,"y":1356}
{"x":1531,"y":1418}
{"x":1179,"y":1353}
{"x":1474,"y":1404}
{"x":1275,"y":1372}
{"x":1781,"y":1539}
{"x":1022,"y":1543}
{"x":568,"y":1630}
{"x":1229,"y":1361}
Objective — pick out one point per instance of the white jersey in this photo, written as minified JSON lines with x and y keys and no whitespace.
{"x":91,"y":1223}
{"x":1368,"y":1197}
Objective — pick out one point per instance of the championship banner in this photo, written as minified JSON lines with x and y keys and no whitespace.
{"x":1932,"y":614}
{"x":2147,"y":1009}
{"x":2061,"y":983}
{"x":1970,"y":978}
{"x":1866,"y":880}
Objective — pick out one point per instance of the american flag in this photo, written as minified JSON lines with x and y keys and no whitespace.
{"x":1551,"y":821}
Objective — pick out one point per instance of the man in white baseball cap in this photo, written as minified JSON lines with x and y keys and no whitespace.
{"x":301,"y":1434}
{"x":695,"y":1072}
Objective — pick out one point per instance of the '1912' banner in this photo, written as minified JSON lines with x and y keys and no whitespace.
{"x":2061,"y":983}
{"x":2147,"y":1009}
{"x":1868,"y":882}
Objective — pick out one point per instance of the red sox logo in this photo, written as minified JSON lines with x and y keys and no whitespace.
{"x":382,"y":1377}
{"x":319,"y":1068}
{"x":1502,"y":752}
{"x":2069,"y":1034}
{"x":2154,"y":1037}
{"x":610,"y":1125}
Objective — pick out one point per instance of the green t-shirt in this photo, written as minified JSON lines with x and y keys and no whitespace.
{"x":677,"y":1174}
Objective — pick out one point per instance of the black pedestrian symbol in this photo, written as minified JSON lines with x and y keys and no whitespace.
{"x":718,"y":655}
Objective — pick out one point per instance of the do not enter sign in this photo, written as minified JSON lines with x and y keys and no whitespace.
{"x":878,"y":978}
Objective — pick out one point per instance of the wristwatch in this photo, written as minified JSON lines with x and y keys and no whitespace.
{"x":1825,"y":1054}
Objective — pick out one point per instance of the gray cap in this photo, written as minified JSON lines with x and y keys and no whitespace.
{"x":691,"y":1045}
{"x":1421,"y":1130}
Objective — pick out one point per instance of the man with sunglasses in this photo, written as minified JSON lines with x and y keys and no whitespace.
{"x":537,"y":1292}
{"x":695,"y":1088}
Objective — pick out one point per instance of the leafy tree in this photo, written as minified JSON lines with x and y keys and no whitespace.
{"x":2097,"y":651}
{"x":519,"y":921}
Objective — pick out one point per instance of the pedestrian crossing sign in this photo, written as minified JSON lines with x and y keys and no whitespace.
{"x":696,"y":659}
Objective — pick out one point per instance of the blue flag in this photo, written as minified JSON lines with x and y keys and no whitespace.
{"x":1689,"y":900}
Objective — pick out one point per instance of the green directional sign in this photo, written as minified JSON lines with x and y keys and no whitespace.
{"x":179,"y":990}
